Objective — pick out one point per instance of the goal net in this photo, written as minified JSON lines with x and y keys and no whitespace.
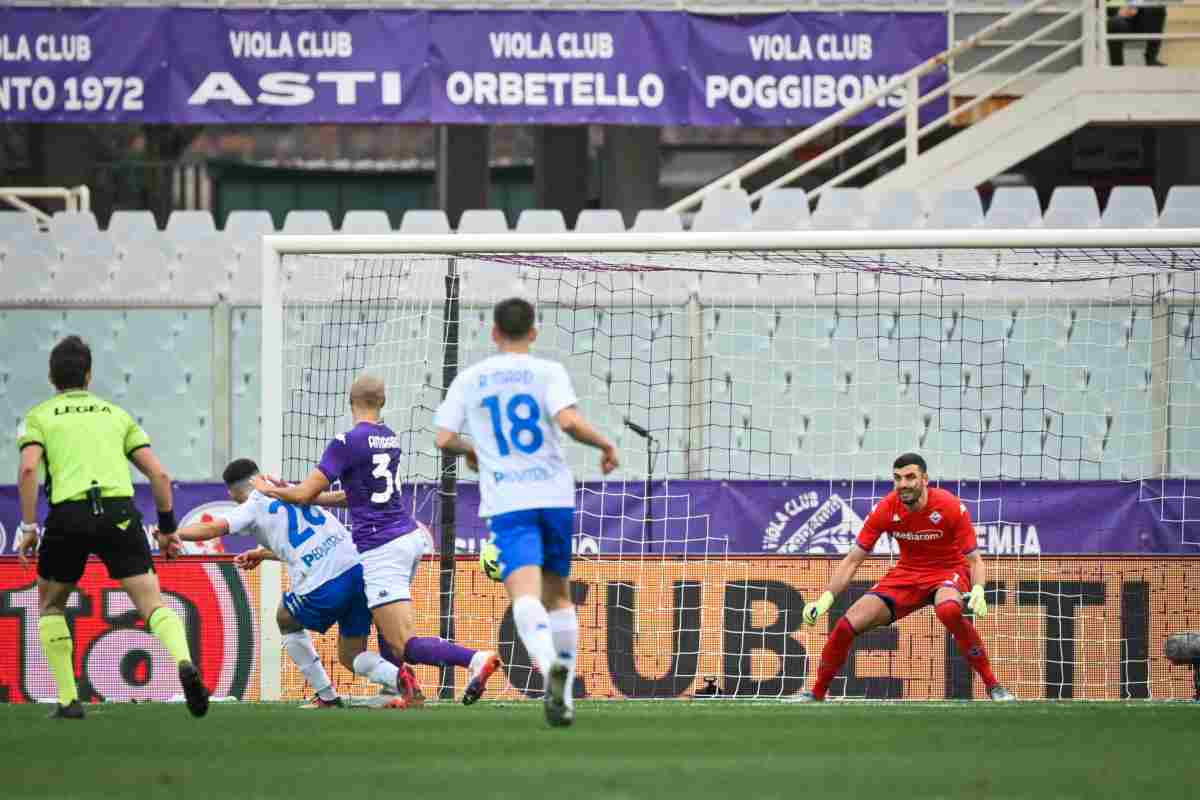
{"x":1047,"y":377}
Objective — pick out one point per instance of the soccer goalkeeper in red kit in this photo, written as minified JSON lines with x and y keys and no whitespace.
{"x":939,"y":564}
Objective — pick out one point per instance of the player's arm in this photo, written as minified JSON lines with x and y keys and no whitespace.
{"x":843,"y":573}
{"x":304,"y":493}
{"x":964,"y":533}
{"x":252,"y":558}
{"x":332,"y":499}
{"x":572,"y":423}
{"x":450,"y":442}
{"x":164,"y":500}
{"x":449,"y":419}
{"x":27,"y":487}
{"x":203,"y":531}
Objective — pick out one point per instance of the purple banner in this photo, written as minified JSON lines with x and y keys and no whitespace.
{"x":83,"y":65}
{"x":718,"y":518}
{"x":797,"y":69}
{"x":298,"y":66}
{"x":206,"y":66}
{"x":532,"y":67}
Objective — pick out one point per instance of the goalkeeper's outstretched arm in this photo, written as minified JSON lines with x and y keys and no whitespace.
{"x":842,"y":575}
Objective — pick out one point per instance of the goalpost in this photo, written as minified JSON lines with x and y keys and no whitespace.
{"x":770,"y":379}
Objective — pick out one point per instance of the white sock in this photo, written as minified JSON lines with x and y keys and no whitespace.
{"x":300,"y":649}
{"x":533,"y":624}
{"x":375,"y":669}
{"x":564,"y":630}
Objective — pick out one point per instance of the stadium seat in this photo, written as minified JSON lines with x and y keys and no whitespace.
{"x":189,"y":222}
{"x":840,"y":208}
{"x":86,"y":258}
{"x":1073,"y":207}
{"x":657,"y":221}
{"x":1182,"y":209}
{"x":239,"y":255}
{"x":1014,"y":207}
{"x":14,"y":222}
{"x":26,"y":261}
{"x":1130,"y":207}
{"x":307,"y":222}
{"x":366,"y":222}
{"x":134,"y":229}
{"x":723,"y":210}
{"x":956,"y":208}
{"x":483,"y":220}
{"x":192,"y":241}
{"x":541,"y":220}
{"x":425,"y":221}
{"x":782,"y":210}
{"x":600,"y":220}
{"x":896,"y":210}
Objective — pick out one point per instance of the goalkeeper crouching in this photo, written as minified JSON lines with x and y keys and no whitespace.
{"x":939,"y":564}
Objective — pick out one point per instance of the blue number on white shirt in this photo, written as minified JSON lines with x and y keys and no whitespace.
{"x":313,"y":516}
{"x":529,"y":422}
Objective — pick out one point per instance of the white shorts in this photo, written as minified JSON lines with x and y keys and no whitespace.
{"x":389,"y":569}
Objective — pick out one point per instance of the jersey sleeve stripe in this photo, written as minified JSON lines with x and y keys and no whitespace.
{"x":135,"y":449}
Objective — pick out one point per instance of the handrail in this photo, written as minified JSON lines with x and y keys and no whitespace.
{"x":910,"y":78}
{"x":75,"y":198}
{"x":908,"y":111}
{"x":1091,"y":43}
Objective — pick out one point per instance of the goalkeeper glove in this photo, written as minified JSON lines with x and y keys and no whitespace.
{"x":976,"y":602}
{"x":817,"y":607}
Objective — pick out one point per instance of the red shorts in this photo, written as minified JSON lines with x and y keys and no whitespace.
{"x":906,"y":591}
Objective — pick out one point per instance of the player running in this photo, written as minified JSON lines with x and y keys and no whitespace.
{"x":938,"y":561}
{"x":513,"y":405}
{"x":326,"y":579}
{"x":390,"y":543}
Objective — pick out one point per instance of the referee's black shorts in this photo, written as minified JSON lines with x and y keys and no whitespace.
{"x":73,"y":532}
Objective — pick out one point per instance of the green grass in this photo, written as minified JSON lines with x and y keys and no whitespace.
{"x":616,"y":750}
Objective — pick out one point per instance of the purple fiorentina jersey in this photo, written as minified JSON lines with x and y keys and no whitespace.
{"x":365,"y":459}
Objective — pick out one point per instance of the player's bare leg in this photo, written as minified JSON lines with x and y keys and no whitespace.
{"x":947,"y":604}
{"x":867,"y":613}
{"x":564,"y":632}
{"x":57,"y":645}
{"x":166,"y":625}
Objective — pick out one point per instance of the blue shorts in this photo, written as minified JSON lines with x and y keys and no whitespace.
{"x":537,"y":536}
{"x":342,"y":600}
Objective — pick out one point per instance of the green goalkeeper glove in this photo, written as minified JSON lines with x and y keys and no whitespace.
{"x":818,"y":607}
{"x":976,"y":602}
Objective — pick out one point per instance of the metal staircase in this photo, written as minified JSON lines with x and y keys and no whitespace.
{"x":1015,"y":86}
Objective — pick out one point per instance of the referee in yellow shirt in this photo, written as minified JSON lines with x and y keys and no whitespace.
{"x":84,"y":443}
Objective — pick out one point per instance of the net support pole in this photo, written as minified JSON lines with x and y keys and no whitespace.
{"x":270,"y":641}
{"x":222,"y":389}
{"x":1160,"y":384}
{"x":448,"y":489}
{"x":697,"y":388}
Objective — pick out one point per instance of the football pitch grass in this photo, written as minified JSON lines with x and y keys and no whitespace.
{"x":682,"y":749}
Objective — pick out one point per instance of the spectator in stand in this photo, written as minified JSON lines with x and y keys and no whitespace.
{"x":1140,"y":18}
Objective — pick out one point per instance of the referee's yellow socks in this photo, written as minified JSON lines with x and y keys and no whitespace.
{"x":168,"y":627}
{"x":57,"y":645}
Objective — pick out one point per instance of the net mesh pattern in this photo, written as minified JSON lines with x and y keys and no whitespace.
{"x":996,"y":365}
